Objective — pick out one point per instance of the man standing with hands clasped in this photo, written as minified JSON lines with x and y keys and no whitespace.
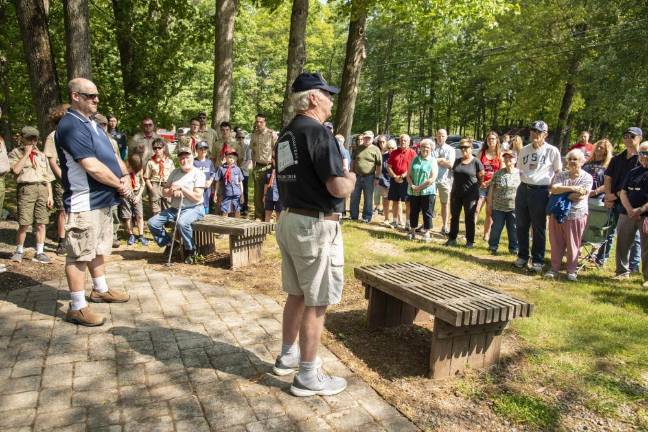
{"x":93,"y":176}
{"x":312,"y":182}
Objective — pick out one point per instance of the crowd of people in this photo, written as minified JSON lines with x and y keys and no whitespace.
{"x":526,"y":189}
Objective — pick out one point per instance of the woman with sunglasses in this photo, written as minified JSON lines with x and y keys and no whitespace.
{"x":634,"y":216}
{"x":468,"y":173}
{"x":490,"y":156}
{"x":565,"y":237}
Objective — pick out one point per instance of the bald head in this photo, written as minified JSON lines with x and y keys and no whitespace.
{"x":84,"y":97}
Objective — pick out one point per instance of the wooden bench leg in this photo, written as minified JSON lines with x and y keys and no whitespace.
{"x":387,"y":311}
{"x":205,"y":242}
{"x":245,"y":250}
{"x":456,"y":348}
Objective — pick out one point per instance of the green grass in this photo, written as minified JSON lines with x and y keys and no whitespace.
{"x":587,"y":342}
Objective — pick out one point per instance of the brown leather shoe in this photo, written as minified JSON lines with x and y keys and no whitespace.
{"x":84,"y":317}
{"x":110,"y":296}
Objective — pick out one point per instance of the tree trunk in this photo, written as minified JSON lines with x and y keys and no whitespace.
{"x":296,"y":53}
{"x":565,"y":110}
{"x":123,"y":11}
{"x":225,"y":16}
{"x":388,"y":111}
{"x":5,"y":122}
{"x":77,"y":39}
{"x":640,"y":118}
{"x":38,"y":53}
{"x":355,"y":56}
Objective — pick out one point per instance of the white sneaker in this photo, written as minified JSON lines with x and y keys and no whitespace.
{"x":285,"y":366}
{"x":520,"y":263}
{"x":537,"y":267}
{"x":572,"y":276}
{"x":323,"y":385}
{"x":550,"y":274}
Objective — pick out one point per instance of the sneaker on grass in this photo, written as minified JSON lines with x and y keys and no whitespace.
{"x":60,"y":249}
{"x":550,"y":274}
{"x":572,"y":276}
{"x":17,"y":257}
{"x":322,"y":384}
{"x":520,"y":262}
{"x":537,"y":267}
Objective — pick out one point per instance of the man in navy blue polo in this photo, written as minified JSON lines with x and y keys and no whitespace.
{"x":93,"y":176}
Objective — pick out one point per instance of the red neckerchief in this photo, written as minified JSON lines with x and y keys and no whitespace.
{"x":133,"y":180}
{"x":160,"y":163}
{"x":228,"y":174}
{"x":32,"y":157}
{"x":271,"y":179}
{"x":193,"y":144}
{"x":226,"y":149}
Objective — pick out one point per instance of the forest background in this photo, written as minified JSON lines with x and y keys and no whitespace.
{"x":465,"y":65}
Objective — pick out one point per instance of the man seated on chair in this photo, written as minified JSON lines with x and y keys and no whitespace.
{"x":185,"y":187}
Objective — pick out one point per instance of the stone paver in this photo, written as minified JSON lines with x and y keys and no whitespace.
{"x":179,"y":356}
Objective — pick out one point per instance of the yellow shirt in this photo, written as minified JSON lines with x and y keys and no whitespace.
{"x":37,"y":171}
{"x":261,"y":143}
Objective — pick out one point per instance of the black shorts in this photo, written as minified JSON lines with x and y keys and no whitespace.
{"x":397,"y":191}
{"x":273,"y":205}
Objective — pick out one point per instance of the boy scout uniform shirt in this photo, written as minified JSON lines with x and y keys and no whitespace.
{"x":50,"y":148}
{"x":152,"y":170}
{"x":36,"y":172}
{"x":209,"y":135}
{"x":4,"y":159}
{"x":307,"y":154}
{"x":261,"y":143}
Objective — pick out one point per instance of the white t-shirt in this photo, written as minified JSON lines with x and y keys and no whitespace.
{"x":194,"y":178}
{"x":538,"y":166}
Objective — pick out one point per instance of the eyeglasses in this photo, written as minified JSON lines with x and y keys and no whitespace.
{"x":573,"y":159}
{"x":464,"y":148}
{"x":147,"y":124}
{"x":89,"y":95}
{"x":158,"y":148}
{"x":643,"y":153}
{"x":629,"y":135}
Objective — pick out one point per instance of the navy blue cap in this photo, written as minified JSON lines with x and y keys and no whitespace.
{"x":634,"y":131}
{"x":202,"y":144}
{"x":539,"y":125}
{"x":309,"y":81}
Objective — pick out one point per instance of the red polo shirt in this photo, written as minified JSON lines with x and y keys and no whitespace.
{"x":400,"y":159}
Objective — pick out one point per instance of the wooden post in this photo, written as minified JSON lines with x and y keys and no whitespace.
{"x":387,"y":311}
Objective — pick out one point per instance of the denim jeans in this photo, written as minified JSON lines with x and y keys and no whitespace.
{"x":635,"y":250}
{"x":364,"y":185}
{"x":530,"y":203}
{"x":421,"y":204}
{"x":501,"y":218}
{"x":188,"y":216}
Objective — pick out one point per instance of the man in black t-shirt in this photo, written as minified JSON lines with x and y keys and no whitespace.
{"x":615,"y":174}
{"x":312,"y":182}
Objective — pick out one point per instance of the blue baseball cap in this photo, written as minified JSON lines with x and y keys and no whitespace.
{"x":310,"y":81}
{"x":634,"y":131}
{"x":539,"y":125}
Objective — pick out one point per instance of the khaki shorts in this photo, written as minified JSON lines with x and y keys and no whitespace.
{"x":443,"y":191}
{"x":129,"y":210}
{"x":32,"y":204}
{"x":57,"y":191}
{"x":88,"y":234}
{"x":312,"y":258}
{"x":158,"y":202}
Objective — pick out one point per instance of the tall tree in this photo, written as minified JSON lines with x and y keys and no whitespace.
{"x":123,"y":11}
{"x":296,"y":52}
{"x":38,"y":53}
{"x":77,"y":39}
{"x":225,"y":17}
{"x":355,"y":57}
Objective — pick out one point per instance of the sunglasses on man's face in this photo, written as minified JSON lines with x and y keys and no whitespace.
{"x":629,"y":135}
{"x":89,"y":95}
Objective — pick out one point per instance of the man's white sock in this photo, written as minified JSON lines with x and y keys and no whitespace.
{"x":40,"y":247}
{"x":78,"y":300}
{"x":20,"y":249}
{"x":99,"y":284}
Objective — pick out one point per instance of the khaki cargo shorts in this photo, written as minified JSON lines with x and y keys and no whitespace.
{"x":88,"y":234}
{"x":32,"y":204}
{"x":443,"y":191}
{"x":57,"y":191}
{"x":312,"y":258}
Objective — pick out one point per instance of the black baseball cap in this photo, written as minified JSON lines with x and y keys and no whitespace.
{"x":310,"y":81}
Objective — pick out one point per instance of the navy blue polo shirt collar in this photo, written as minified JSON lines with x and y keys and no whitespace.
{"x":78,"y":115}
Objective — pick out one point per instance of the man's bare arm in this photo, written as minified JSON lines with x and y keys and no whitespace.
{"x":341,"y":187}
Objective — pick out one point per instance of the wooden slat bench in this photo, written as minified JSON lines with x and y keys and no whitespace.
{"x":245,"y":237}
{"x":468,"y":317}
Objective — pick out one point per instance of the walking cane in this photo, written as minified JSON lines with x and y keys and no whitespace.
{"x":175,"y":228}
